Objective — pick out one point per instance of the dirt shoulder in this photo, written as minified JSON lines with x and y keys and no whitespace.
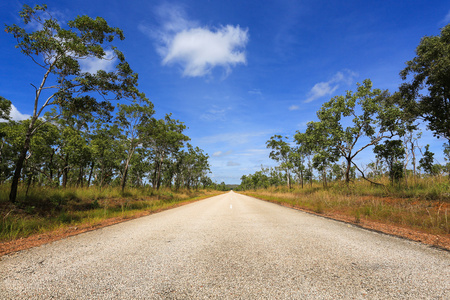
{"x":62,"y":233}
{"x":439,"y":241}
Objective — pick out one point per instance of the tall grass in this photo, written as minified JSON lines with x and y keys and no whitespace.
{"x":45,"y":209}
{"x":423,"y":204}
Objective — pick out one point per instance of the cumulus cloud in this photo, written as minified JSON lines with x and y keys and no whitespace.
{"x":197,"y":49}
{"x":16,"y":115}
{"x":329,"y":87}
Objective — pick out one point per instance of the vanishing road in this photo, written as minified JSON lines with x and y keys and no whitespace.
{"x":228,"y":247}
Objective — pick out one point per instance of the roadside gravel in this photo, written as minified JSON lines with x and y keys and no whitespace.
{"x":228,"y":247}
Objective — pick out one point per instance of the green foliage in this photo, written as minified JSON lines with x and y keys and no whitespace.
{"x":392,"y":152}
{"x":282,"y":153}
{"x":427,"y":94}
{"x":5,"y":109}
{"x":426,"y":162}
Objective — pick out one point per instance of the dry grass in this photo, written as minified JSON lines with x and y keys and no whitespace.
{"x":422,"y":205}
{"x":45,"y":210}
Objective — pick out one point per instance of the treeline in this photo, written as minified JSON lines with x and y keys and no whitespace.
{"x":89,"y":128}
{"x":350,"y":125}
{"x":132,"y":147}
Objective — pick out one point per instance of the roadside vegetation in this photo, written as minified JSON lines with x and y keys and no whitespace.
{"x":422,"y":205}
{"x":47,"y":210}
{"x":400,"y":182}
{"x":92,"y":149}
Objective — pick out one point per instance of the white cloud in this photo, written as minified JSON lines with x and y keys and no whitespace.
{"x":93,"y":64}
{"x":294,"y":107}
{"x":16,"y":115}
{"x":197,"y":49}
{"x":233,"y":164}
{"x":329,"y":87}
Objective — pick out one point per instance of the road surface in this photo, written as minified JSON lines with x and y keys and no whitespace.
{"x":228,"y":247}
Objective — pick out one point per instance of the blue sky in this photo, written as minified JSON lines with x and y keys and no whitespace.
{"x":238,"y":72}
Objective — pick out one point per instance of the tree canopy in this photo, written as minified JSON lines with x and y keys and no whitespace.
{"x":427,"y":94}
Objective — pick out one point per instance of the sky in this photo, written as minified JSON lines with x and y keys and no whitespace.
{"x":238,"y":72}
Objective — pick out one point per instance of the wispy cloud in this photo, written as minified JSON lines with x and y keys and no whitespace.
{"x":233,"y":138}
{"x":220,"y":153}
{"x":215,"y":113}
{"x":446,"y":18}
{"x":294,"y":107}
{"x":255,"y":92}
{"x":196,"y":49}
{"x":327,"y":88}
{"x":233,"y":164}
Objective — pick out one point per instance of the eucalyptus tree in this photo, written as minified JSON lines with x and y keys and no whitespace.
{"x":299,"y":155}
{"x":58,"y":51}
{"x":164,"y":137}
{"x":426,"y":163}
{"x":323,"y":150}
{"x":5,"y":110}
{"x":104,"y":144}
{"x":427,"y":95}
{"x":281,"y":152}
{"x":392,"y":152}
{"x":371,"y":114}
{"x":133,"y":120}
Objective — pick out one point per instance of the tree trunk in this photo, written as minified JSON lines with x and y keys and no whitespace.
{"x":158,"y":177}
{"x":90,"y":173}
{"x":288,"y":175}
{"x":347,"y":170}
{"x":65,"y":171}
{"x":19,"y":166}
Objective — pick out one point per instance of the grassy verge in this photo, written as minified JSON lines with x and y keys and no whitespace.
{"x":422,"y":205}
{"x":46,"y":210}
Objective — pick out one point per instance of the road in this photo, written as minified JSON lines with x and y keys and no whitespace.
{"x":228,"y":247}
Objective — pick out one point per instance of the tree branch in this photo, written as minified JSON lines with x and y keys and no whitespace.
{"x":364,"y":177}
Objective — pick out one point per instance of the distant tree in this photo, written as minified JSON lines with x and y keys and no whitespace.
{"x":426,"y":163}
{"x":392,"y":152}
{"x":58,"y":52}
{"x":281,"y":152}
{"x":427,"y":95}
{"x":164,"y":137}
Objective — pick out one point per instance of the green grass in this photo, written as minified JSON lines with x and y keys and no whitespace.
{"x":44,"y":210}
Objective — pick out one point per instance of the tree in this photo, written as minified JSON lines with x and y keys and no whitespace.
{"x":133,"y":119}
{"x":371,"y":113}
{"x":427,"y":95}
{"x":64,"y":84}
{"x":392,"y":151}
{"x":281,"y":153}
{"x":164,"y":137}
{"x":426,"y":162}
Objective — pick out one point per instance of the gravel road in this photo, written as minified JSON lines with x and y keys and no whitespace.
{"x":228,"y":247}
